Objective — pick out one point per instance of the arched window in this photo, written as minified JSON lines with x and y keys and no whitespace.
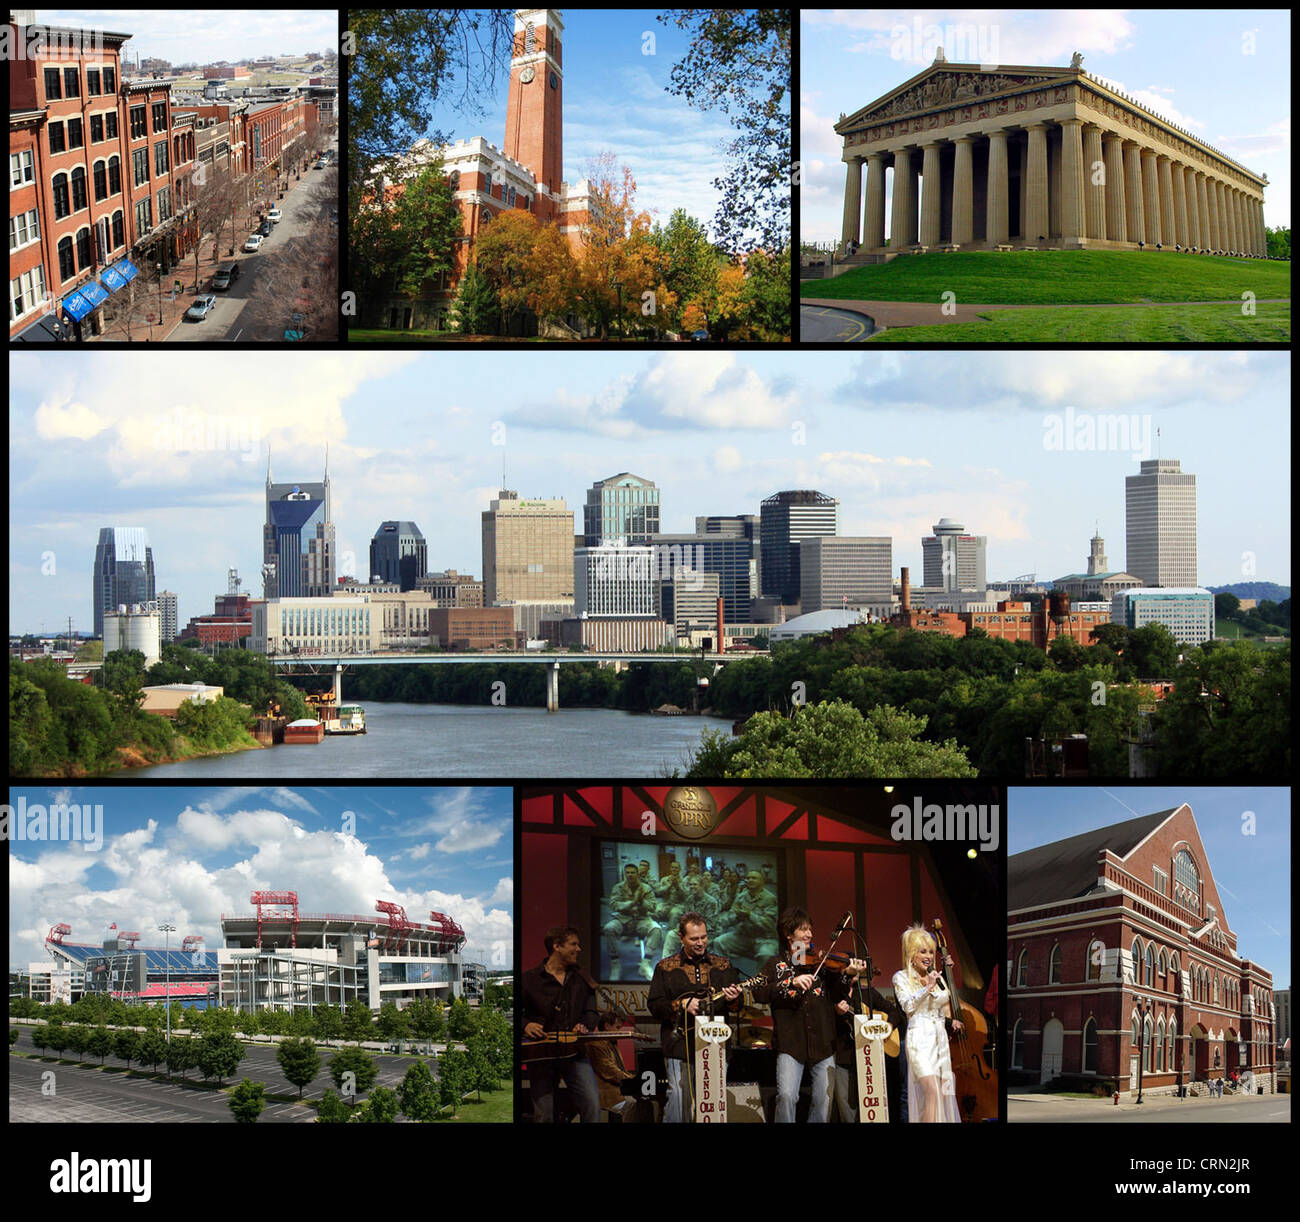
{"x":512,"y":197}
{"x":454,"y":180}
{"x":1216,"y":989}
{"x":529,"y":39}
{"x":1173,"y":962}
{"x":79,"y":198}
{"x":1161,"y":962}
{"x":1090,"y":1046}
{"x":101,"y":180}
{"x":114,"y":176}
{"x":1171,"y":1041}
{"x":1188,"y":877}
{"x":1022,"y":968}
{"x":1160,"y":1046}
{"x":1137,"y":960}
{"x":67,"y":262}
{"x":1018,"y":1045}
{"x":85,"y":258}
{"x":1149,"y":965}
{"x":1095,"y":952}
{"x":1146,"y":1044}
{"x":1054,"y":965}
{"x":1134,"y":1032}
{"x":62,"y":201}
{"x":119,"y":229}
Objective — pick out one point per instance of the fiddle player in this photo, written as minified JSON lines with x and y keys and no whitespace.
{"x":674,"y":999}
{"x":558,"y":996}
{"x":804,"y":1006}
{"x":919,"y":988}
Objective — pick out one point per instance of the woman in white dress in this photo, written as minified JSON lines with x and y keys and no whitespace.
{"x":919,"y":989}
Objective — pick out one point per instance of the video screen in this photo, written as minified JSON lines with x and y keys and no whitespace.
{"x":645,"y":889}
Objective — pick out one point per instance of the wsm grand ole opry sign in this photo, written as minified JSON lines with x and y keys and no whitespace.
{"x":1040,"y":157}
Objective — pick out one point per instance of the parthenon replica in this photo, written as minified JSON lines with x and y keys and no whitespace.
{"x":1038,"y":158}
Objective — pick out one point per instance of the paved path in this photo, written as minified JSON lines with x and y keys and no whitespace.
{"x":1047,"y":1108}
{"x":826,"y":324}
{"x":927,"y":313}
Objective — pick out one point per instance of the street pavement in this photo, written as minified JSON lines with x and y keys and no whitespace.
{"x":1036,"y":1108}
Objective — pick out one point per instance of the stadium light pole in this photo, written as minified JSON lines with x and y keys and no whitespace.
{"x":167,"y":931}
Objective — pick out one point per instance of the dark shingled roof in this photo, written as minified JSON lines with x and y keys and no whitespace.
{"x":1066,"y":869}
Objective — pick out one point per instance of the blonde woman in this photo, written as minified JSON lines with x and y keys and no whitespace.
{"x":919,"y":989}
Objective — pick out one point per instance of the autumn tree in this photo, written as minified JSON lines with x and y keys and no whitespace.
{"x":504,"y":255}
{"x":552,"y":276}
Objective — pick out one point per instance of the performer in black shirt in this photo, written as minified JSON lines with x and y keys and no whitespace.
{"x":558,"y":996}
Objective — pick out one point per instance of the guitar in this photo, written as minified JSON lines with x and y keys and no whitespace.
{"x":707,"y":997}
{"x":559,"y":1045}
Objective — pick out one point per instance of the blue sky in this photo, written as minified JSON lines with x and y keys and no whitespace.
{"x":186,"y":855}
{"x":1251,"y":869}
{"x":203,"y":35}
{"x":616,"y":66}
{"x":902,"y":439}
{"x":1222,"y":74}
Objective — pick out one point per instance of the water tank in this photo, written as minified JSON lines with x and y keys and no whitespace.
{"x":1060,"y":604}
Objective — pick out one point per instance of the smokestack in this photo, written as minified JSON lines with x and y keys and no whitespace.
{"x":907,"y":593}
{"x":721,"y":628}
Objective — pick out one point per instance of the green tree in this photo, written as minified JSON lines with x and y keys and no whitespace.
{"x":40,"y":1038}
{"x":476,"y":308}
{"x":123,"y":672}
{"x":153,"y":1048}
{"x":393,"y":1023}
{"x":427,"y":1019}
{"x":219,"y":1055}
{"x":247,"y":1101}
{"x":380,"y":1108}
{"x":300,"y":1062}
{"x":1153,"y":652}
{"x":328,"y":1021}
{"x":1226,"y":605}
{"x":418,"y":1093}
{"x":78,"y":1038}
{"x":427,"y":224}
{"x":100,"y":1043}
{"x":460,"y":1020}
{"x":182,"y":1055}
{"x":13,"y":1036}
{"x":358,"y":1024}
{"x":453,"y":1077}
{"x":126,"y":1045}
{"x":354,"y":1071}
{"x":332,"y":1110}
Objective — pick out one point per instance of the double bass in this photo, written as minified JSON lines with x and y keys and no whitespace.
{"x":975,"y":1079}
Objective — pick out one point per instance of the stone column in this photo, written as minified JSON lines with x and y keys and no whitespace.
{"x":1261,"y":228}
{"x":1035,"y":225}
{"x":1203,"y":211}
{"x":1133,"y":193}
{"x":1150,"y":198}
{"x":1167,"y":226}
{"x":1116,"y":215}
{"x":1193,"y":208}
{"x":1216,"y":213}
{"x":852,"y":199}
{"x":1234,"y":220}
{"x":1225,"y":209}
{"x":998,"y":217}
{"x":1071,"y":180}
{"x":873,"y":218}
{"x":931,"y":186}
{"x":903,"y":213}
{"x":1242,"y":232}
{"x":963,"y":193}
{"x":1094,"y":191}
{"x":1180,"y":203}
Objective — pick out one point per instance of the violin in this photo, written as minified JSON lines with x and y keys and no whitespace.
{"x":976,"y":1081}
{"x":815,"y":960}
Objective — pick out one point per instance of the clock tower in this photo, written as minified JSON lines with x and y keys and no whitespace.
{"x":533,"y":108}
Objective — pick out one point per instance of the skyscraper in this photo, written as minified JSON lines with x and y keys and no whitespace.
{"x":298,"y":550}
{"x":785,"y":519}
{"x":953,"y":559}
{"x":614,"y":580}
{"x":398,"y":553}
{"x":167,"y":613}
{"x":621,"y":509}
{"x":527,"y":550}
{"x":839,"y":571}
{"x":732,"y":556}
{"x":1160,"y":505}
{"x":124,"y":574}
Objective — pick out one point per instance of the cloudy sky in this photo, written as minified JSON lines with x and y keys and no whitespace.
{"x":1246,"y":833}
{"x":186,"y":855}
{"x":1222,"y":74}
{"x":989,"y":438}
{"x":616,"y":66}
{"x":202,"y":35}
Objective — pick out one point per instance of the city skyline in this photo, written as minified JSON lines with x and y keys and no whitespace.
{"x":185,"y":457}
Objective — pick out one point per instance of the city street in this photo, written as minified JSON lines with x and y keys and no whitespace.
{"x":227,"y":320}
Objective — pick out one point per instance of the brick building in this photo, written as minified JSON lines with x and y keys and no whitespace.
{"x":98,"y":191}
{"x":464,"y":628}
{"x":1117,"y":941}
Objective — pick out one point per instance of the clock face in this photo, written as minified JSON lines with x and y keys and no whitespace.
{"x":555,"y":81}
{"x":526,"y":76}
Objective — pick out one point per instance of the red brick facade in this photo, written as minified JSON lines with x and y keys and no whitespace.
{"x":1078,"y":969}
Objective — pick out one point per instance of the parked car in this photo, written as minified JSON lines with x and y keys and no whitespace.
{"x":225,"y":276}
{"x":254,"y":242}
{"x":275,"y":215}
{"x":265,"y":229}
{"x":198,"y":311}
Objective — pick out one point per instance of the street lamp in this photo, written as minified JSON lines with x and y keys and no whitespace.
{"x":1144,"y":1012}
{"x":168,"y":930}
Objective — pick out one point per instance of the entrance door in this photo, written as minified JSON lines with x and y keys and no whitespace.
{"x":1053,"y":1044}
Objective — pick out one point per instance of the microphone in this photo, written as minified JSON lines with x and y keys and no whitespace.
{"x":845,"y":921}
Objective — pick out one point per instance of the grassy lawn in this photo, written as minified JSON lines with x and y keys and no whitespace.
{"x":1137,"y":324}
{"x":1058,"y":277}
{"x":497,"y":1107}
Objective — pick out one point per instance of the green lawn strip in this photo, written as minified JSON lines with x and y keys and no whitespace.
{"x":1130,"y":324}
{"x":1058,"y":277}
{"x":496,"y":1107}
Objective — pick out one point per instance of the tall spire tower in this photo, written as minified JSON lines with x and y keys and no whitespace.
{"x":534,"y":106}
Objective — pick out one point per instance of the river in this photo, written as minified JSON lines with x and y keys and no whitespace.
{"x":455,"y":740}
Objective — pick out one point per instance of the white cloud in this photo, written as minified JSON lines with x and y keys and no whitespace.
{"x":60,"y":420}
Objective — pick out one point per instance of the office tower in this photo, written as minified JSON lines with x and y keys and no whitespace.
{"x":1160,"y":506}
{"x":731,"y":557}
{"x":952,"y":559}
{"x":689,"y":599}
{"x":623,"y":508}
{"x":167,"y":612}
{"x":527,"y":550}
{"x":124,"y":574}
{"x":785,"y":519}
{"x":298,"y":549}
{"x":615,"y":580}
{"x":846,"y":571}
{"x":398,"y":553}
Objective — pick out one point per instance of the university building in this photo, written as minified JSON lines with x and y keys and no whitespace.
{"x":1119,"y":948}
